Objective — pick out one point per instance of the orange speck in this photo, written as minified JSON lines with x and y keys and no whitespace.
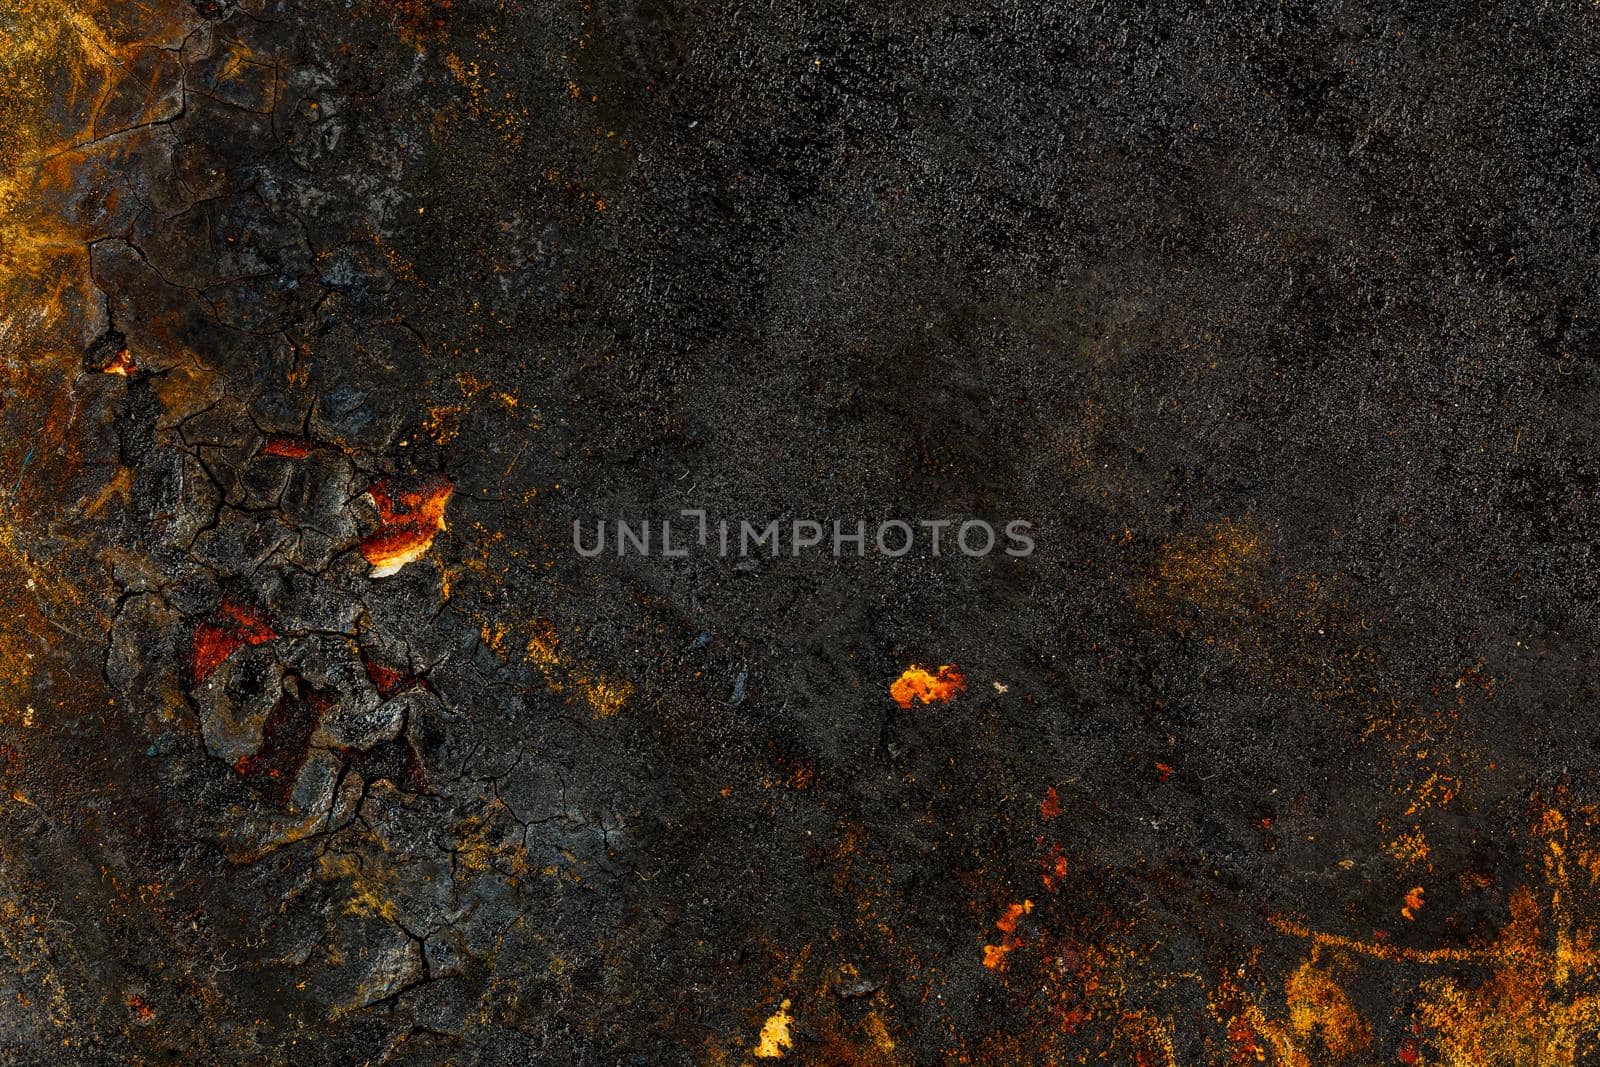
{"x":1413,"y":903}
{"x":917,"y":683}
{"x":1163,"y":771}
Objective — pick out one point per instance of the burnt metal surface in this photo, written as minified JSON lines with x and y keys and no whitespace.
{"x":322,"y":323}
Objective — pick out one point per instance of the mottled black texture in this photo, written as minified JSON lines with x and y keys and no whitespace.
{"x":1318,"y":279}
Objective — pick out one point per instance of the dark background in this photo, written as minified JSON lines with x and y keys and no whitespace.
{"x":1276,"y":322}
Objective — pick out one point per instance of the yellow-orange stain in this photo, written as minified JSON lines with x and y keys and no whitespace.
{"x":775,"y":1039}
{"x":122,"y":364}
{"x":606,"y":696}
{"x":1528,"y":999}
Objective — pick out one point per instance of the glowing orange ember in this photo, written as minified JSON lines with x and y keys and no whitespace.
{"x":994,"y":956}
{"x":287,"y":447}
{"x":234,"y":627}
{"x":1007,"y":923}
{"x":122,"y":364}
{"x":408,"y":521}
{"x":917,"y":683}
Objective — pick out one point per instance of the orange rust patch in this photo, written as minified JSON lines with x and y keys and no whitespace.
{"x":235,"y":626}
{"x":1210,"y":572}
{"x":408,"y":521}
{"x":917,"y":683}
{"x":1531,"y":1009}
{"x":1527,"y":997}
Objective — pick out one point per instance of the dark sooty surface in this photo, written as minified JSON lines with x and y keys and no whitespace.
{"x":1276,"y":323}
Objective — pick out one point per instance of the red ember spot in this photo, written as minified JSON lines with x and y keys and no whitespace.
{"x":140,"y":1009}
{"x":287,"y":447}
{"x":1245,"y":1043}
{"x":1163,"y":771}
{"x":1050,"y":806}
{"x":408,"y":520}
{"x":234,"y":627}
{"x":390,"y":682}
{"x":917,"y":683}
{"x":1055,"y":868}
{"x":386,"y":681}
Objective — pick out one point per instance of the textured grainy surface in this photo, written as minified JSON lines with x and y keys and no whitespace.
{"x":1276,"y":322}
